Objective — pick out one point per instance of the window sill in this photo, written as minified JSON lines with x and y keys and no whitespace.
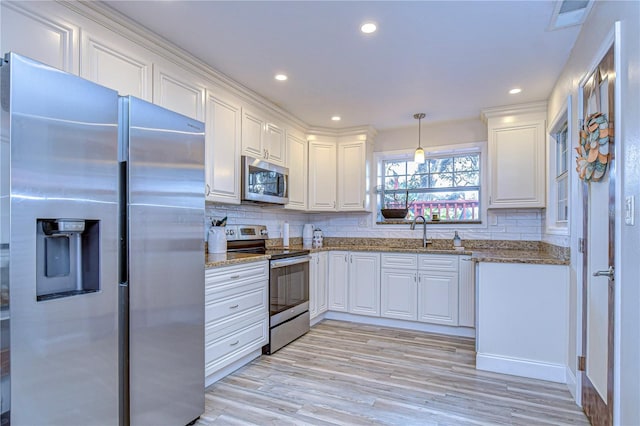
{"x":430,"y":222}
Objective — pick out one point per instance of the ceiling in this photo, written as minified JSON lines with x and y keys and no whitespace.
{"x":447,"y":59}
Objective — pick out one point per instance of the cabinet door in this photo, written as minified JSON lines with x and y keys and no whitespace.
{"x":438,"y":297}
{"x":30,"y":30}
{"x":222,"y":144}
{"x":297,"y":152}
{"x":517,"y":165}
{"x":177,"y":89}
{"x":351,"y":175}
{"x":252,"y":134}
{"x":338,"y":280}
{"x":112,"y":61}
{"x":399,"y":289}
{"x":364,"y":283}
{"x":275,"y":144}
{"x":313,"y":286}
{"x":322,"y":176}
{"x":321,"y":281}
{"x":467,"y":293}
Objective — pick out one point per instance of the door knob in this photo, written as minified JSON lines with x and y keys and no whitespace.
{"x":607,"y":273}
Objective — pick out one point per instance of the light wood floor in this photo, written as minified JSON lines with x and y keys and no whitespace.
{"x":349,"y":374}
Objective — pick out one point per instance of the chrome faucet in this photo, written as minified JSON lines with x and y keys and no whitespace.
{"x":424,"y":230}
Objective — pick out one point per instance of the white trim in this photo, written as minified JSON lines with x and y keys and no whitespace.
{"x":402,"y":324}
{"x":572,"y":384}
{"x":518,"y":109}
{"x":617,"y":155}
{"x":551,"y":212}
{"x":521,"y":367}
{"x":224,"y":372}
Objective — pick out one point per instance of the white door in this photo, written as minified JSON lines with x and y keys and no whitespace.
{"x":399,"y":289}
{"x":177,"y":89}
{"x":438,"y":297}
{"x":364,"y":284}
{"x":321,"y":282}
{"x":322,"y":176}
{"x":599,"y":260}
{"x":351,"y":175}
{"x":338,"y":281}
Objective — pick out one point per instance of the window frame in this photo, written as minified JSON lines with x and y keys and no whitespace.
{"x":554,"y":225}
{"x":434,"y":152}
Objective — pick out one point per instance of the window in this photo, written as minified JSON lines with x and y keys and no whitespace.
{"x":445,"y":185}
{"x":562,"y":175}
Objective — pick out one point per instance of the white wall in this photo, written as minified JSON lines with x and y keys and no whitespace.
{"x":592,"y":36}
{"x":433,"y":134}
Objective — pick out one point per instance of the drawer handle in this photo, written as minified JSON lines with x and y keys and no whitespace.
{"x":234,"y":277}
{"x":234,"y":307}
{"x":235,"y":343}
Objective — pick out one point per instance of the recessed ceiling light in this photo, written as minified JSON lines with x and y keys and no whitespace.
{"x":515,"y":91}
{"x":336,"y":118}
{"x":368,"y":28}
{"x":281,"y":77}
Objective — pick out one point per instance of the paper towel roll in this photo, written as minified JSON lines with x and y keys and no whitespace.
{"x":285,"y":234}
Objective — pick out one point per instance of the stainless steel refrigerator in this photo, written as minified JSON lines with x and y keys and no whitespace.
{"x":102,"y":272}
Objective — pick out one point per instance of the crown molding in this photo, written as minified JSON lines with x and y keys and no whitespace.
{"x":113,"y":20}
{"x":362,"y":132}
{"x":519,"y":109}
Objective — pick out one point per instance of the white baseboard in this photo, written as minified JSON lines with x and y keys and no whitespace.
{"x":572,"y":384}
{"x":522,"y":367}
{"x":317,"y":319}
{"x":406,"y":325}
{"x":224,"y":372}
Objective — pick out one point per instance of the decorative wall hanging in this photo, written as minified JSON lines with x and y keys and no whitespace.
{"x":593,"y":152}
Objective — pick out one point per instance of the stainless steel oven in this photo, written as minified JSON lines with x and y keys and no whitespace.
{"x":288,"y":283}
{"x":288,"y":300}
{"x":263,"y":182}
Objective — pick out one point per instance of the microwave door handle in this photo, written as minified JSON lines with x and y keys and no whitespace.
{"x":288,"y":262}
{"x":284,"y":179}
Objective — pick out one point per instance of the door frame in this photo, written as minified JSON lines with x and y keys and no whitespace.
{"x":612,"y":39}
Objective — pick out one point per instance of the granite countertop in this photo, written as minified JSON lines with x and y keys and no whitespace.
{"x":390,"y":249}
{"x":537,"y":257}
{"x":214,"y":260}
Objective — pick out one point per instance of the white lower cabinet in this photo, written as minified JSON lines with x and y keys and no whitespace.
{"x":236,"y":313}
{"x":364,"y":283}
{"x":398,"y":294}
{"x":438,"y":289}
{"x":318,"y":269}
{"x":338,"y":281}
{"x":466,"y":292}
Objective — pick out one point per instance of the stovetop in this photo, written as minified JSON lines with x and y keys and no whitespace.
{"x":252,"y":239}
{"x":284,"y":253}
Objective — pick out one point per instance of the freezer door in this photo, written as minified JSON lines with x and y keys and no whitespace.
{"x":62,"y":141}
{"x":166,"y":265}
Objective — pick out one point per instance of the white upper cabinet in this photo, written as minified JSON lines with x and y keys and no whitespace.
{"x":262,"y":138}
{"x":222,"y":149}
{"x":33,"y":30}
{"x":297,"y":157}
{"x":322,"y":175}
{"x":113,"y":61}
{"x":352,"y":175}
{"x":516,"y":154}
{"x":179,"y":90}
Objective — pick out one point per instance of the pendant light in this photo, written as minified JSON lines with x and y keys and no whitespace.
{"x":418,"y":157}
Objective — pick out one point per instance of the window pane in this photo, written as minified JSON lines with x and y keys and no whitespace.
{"x":467,"y":162}
{"x":441,"y":165}
{"x":396,"y":182}
{"x":395,"y":168}
{"x":458,"y":205}
{"x":442,"y":180}
{"x":467,"y":179}
{"x":418,"y":181}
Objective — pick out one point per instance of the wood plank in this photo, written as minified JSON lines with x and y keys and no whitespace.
{"x":343,"y":373}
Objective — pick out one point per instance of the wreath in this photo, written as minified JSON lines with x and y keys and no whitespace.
{"x":593,"y":152}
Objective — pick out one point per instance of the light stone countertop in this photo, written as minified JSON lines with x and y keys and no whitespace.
{"x":497,"y":255}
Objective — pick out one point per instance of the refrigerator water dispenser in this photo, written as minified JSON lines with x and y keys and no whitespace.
{"x":67,"y":258}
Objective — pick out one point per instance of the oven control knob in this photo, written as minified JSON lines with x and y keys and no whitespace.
{"x":263,"y":232}
{"x":230,"y":232}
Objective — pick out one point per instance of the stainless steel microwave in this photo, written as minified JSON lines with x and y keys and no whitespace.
{"x":263,"y":182}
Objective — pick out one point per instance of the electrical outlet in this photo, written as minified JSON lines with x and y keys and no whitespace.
{"x":629,"y":210}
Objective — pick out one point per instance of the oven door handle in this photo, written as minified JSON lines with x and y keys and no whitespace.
{"x":288,"y":262}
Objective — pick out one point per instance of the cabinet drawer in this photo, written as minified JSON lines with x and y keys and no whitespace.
{"x":250,"y":297}
{"x":399,"y":260}
{"x":219,"y":278}
{"x":233,"y":346}
{"x":437,"y":262}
